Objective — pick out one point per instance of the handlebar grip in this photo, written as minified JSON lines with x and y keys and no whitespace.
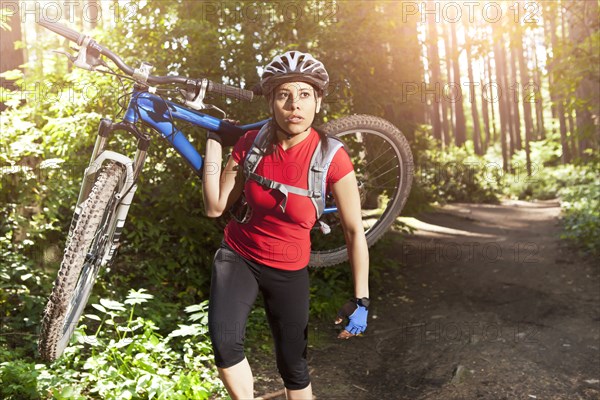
{"x":230,"y":91}
{"x":62,"y":30}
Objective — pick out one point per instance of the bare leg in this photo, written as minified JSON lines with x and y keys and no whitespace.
{"x":238,"y":380}
{"x":303,"y":394}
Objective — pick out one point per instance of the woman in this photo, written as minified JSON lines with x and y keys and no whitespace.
{"x":270,"y":251}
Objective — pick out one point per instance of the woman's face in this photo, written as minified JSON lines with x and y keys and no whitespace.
{"x":295,"y":105}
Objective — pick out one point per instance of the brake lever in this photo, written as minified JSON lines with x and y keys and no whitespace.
{"x":70,"y":56}
{"x":196,"y":101}
{"x":83,"y":57}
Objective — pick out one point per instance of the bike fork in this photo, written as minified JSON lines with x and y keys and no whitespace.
{"x":127,"y":187}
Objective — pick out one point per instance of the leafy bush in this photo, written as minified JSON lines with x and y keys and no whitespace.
{"x":581,"y":208}
{"x":450,"y":175}
{"x":126,"y":358}
{"x":575,"y":185}
{"x":547,"y":177}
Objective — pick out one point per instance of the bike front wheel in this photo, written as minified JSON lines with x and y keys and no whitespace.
{"x":86,"y":252}
{"x":383,"y":165}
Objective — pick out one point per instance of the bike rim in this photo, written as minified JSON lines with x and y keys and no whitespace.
{"x":378,"y":167}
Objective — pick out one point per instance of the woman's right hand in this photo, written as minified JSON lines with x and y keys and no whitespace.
{"x":226,"y":139}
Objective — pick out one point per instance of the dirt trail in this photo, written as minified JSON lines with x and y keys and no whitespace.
{"x":489,"y":304}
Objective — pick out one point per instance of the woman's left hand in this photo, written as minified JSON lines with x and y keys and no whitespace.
{"x":357,"y":319}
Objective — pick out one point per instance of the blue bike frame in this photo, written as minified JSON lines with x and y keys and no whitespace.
{"x":159,"y":114}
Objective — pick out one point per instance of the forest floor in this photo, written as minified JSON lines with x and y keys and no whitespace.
{"x":481,"y":302}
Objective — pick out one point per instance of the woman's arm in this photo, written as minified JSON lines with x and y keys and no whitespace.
{"x":347,"y":200}
{"x":220,"y":190}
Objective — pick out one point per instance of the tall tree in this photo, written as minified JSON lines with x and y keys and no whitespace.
{"x":460,"y":134}
{"x":573,"y":136}
{"x":501,"y":79}
{"x":435,"y":82}
{"x":472,"y":96}
{"x":506,"y":98}
{"x":562,"y":78}
{"x":524,"y":74}
{"x":539,"y":105}
{"x":448,"y":106}
{"x":12,"y":57}
{"x":583,"y":21}
{"x":549,"y":15}
{"x":515,"y":100}
{"x":491,"y":99}
{"x":484,"y":106}
{"x":558,"y":108}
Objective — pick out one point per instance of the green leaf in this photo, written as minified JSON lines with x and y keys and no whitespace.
{"x":112,"y":305}
{"x":138,"y":297}
{"x":99,"y":308}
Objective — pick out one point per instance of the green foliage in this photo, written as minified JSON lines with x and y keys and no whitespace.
{"x":575,"y":185}
{"x":168,"y":244}
{"x":581,"y":209}
{"x":545,"y":180}
{"x":447,"y":175}
{"x":126,"y":358}
{"x":18,"y":380}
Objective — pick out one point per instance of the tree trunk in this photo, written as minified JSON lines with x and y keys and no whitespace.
{"x":484,"y":109}
{"x":558,"y":109}
{"x":565,"y":157}
{"x":583,"y":20}
{"x":539,"y":105}
{"x":549,"y":10}
{"x":506,"y":100}
{"x":11,"y":58}
{"x":572,"y":133}
{"x":492,"y":101}
{"x":445,"y":122}
{"x":461,"y":126}
{"x":525,"y":96}
{"x":514,"y":101}
{"x":449,"y":105}
{"x":501,"y":79}
{"x":473,"y":100}
{"x":434,"y":84}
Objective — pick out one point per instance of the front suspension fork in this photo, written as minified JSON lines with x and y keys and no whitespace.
{"x":100,"y":155}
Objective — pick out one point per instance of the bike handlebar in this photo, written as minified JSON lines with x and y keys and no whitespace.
{"x":62,"y":30}
{"x":79,"y":39}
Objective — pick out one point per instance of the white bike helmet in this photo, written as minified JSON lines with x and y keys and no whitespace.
{"x":294,"y":66}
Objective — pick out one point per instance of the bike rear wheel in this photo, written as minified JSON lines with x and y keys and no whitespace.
{"x":383,"y":164}
{"x":86,"y":249}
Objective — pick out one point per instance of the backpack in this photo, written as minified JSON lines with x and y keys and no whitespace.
{"x":317,"y":173}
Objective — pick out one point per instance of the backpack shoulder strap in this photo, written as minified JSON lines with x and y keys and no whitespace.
{"x":317,"y":175}
{"x":253,"y":158}
{"x":257,"y":150}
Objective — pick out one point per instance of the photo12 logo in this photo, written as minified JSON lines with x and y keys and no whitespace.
{"x":456,"y":11}
{"x":452,"y":92}
{"x":467,"y":332}
{"x":63,"y":11}
{"x":226,"y":11}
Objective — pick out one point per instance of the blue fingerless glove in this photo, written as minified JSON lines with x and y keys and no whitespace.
{"x":357,"y":315}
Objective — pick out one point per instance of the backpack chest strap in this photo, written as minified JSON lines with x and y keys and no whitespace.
{"x":283,"y":188}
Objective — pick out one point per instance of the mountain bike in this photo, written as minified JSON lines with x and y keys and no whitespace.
{"x":380,"y":153}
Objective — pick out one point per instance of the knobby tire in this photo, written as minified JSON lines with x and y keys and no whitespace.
{"x":80,"y":265}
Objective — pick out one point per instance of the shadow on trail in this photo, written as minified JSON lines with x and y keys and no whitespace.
{"x":485,"y":302}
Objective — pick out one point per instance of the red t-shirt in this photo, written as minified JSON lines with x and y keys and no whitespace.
{"x":272,"y":237}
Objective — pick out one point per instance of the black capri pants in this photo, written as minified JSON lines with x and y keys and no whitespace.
{"x":235,"y":283}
